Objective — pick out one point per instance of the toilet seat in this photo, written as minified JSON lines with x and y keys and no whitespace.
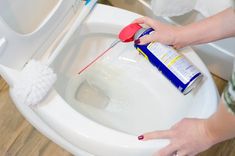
{"x":18,"y":51}
{"x":84,"y":133}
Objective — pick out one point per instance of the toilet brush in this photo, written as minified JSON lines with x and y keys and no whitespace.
{"x":37,"y":78}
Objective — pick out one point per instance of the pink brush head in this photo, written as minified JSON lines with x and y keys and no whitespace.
{"x":128,"y":32}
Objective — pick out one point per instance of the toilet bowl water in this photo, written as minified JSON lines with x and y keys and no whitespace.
{"x":90,"y":94}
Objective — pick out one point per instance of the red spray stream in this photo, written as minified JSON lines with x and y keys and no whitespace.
{"x":125,"y":35}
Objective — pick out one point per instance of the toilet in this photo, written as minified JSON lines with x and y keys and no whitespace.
{"x":101,"y":111}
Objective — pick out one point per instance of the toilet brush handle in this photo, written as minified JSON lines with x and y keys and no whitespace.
{"x":89,"y":5}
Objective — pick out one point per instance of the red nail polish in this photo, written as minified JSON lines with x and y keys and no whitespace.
{"x":137,"y":41}
{"x":141,"y":137}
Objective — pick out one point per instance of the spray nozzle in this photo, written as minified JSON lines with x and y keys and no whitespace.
{"x":128,"y":32}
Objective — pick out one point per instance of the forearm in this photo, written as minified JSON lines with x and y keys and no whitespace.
{"x":219,"y":26}
{"x":221,"y":125}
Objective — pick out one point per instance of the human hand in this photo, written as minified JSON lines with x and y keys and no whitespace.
{"x":164,"y":33}
{"x":187,"y":138}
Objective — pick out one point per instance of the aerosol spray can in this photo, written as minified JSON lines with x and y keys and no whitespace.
{"x":173,"y":65}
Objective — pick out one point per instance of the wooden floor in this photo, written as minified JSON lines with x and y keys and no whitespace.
{"x":19,"y":138}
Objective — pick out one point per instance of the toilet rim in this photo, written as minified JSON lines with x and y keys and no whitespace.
{"x":75,"y":127}
{"x":52,"y":108}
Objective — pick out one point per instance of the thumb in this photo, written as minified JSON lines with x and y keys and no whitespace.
{"x":147,"y":39}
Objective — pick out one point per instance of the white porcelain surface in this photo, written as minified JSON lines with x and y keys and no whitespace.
{"x":145,"y":100}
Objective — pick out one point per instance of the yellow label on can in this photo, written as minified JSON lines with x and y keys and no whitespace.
{"x":173,"y":61}
{"x":141,"y":52}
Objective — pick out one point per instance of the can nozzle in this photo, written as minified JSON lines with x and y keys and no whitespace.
{"x":127,"y":33}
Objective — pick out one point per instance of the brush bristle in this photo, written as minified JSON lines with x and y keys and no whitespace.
{"x":35,"y":82}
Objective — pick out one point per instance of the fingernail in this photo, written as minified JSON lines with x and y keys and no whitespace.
{"x":137,"y":41}
{"x":141,"y":137}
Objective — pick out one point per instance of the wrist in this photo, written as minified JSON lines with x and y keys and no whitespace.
{"x":210,"y":131}
{"x":216,"y":131}
{"x":180,"y":39}
{"x":220,"y":126}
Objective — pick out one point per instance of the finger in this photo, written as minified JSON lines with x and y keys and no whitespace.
{"x":139,"y":20}
{"x":168,"y":150}
{"x":146,"y":20}
{"x":157,"y":135}
{"x":147,"y":39}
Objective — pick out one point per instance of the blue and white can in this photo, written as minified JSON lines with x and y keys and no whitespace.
{"x":174,"y":66}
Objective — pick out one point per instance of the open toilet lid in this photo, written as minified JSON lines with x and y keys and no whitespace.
{"x":28,"y":28}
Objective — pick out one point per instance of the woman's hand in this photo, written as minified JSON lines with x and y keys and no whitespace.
{"x":188,"y":138}
{"x":207,"y":30}
{"x":164,"y":33}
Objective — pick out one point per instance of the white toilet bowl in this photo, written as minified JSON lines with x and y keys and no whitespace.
{"x":133,"y":97}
